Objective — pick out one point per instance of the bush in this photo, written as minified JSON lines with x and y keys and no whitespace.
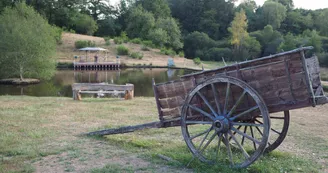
{"x":197,"y":61}
{"x":196,"y":43}
{"x":148,"y":43}
{"x":144,"y":48}
{"x":136,"y":41}
{"x":84,"y":43}
{"x":118,"y":40}
{"x":57,"y":34}
{"x":124,"y":37}
{"x":181,"y":54}
{"x":122,"y":50}
{"x":107,"y":40}
{"x":170,"y":52}
{"x":216,"y":54}
{"x":136,"y":55}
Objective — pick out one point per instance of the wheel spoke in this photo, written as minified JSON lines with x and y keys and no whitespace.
{"x":243,"y":138}
{"x":209,"y":141}
{"x":238,"y":144}
{"x":228,"y":147}
{"x":226,"y":99}
{"x":243,"y":113}
{"x":258,"y":129}
{"x":235,"y":132}
{"x":201,"y":143}
{"x":201,"y":111}
{"x":200,"y":134}
{"x":279,"y":133}
{"x":247,"y":124}
{"x":219,"y":145}
{"x":207,"y":103}
{"x":237,"y":103}
{"x":246,"y":135}
{"x":253,"y":137}
{"x":198,"y":122}
{"x":216,"y":98}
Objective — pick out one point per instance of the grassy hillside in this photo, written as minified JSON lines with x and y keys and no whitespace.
{"x":66,"y":51}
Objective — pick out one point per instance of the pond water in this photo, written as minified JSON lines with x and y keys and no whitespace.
{"x":60,"y":84}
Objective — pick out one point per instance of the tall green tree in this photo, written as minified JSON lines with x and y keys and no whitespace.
{"x":139,"y":22}
{"x":273,"y":14}
{"x":269,"y":39}
{"x":289,"y":4}
{"x":160,"y":8}
{"x":321,"y":22}
{"x":27,"y":44}
{"x":170,"y":26}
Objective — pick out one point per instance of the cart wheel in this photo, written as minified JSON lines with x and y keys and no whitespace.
{"x":277,"y":136}
{"x":213,"y":116}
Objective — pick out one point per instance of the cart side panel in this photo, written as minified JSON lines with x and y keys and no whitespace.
{"x":281,"y":81}
{"x":171,"y":96}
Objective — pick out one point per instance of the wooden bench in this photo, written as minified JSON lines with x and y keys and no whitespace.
{"x":101,"y":88}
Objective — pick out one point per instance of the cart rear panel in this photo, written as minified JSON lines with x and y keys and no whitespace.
{"x":285,"y":81}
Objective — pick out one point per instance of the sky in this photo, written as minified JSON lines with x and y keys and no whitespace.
{"x":306,"y":4}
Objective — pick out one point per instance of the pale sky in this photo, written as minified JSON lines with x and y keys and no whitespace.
{"x":306,"y":4}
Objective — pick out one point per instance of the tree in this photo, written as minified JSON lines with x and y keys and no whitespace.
{"x":273,"y":14}
{"x":289,"y":4}
{"x":160,"y":8}
{"x":158,"y":36}
{"x":84,"y":24}
{"x":289,"y":43}
{"x":245,"y":47}
{"x":321,"y":22}
{"x":197,"y":44}
{"x":170,"y":26}
{"x":238,"y":29}
{"x":269,"y":39}
{"x":250,"y":8}
{"x":139,"y":22}
{"x":27,"y":44}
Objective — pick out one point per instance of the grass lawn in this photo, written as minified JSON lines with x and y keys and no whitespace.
{"x":44,"y":135}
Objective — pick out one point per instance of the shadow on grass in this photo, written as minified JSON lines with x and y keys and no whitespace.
{"x":177,"y":151}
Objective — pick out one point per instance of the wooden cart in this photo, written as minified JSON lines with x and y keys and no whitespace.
{"x":224,"y":113}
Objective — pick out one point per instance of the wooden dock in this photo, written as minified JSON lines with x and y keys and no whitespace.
{"x":96,"y":66}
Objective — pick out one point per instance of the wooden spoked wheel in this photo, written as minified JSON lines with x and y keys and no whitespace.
{"x":214,"y":118}
{"x":279,"y":129}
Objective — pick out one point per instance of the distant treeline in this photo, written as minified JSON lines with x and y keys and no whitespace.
{"x":207,"y":29}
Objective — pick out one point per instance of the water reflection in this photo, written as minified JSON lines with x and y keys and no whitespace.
{"x":60,"y":84}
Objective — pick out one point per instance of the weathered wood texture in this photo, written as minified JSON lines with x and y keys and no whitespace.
{"x":99,"y":88}
{"x":280,"y":79}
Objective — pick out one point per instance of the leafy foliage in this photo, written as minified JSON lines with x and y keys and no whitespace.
{"x":197,"y":61}
{"x":84,"y":43}
{"x":139,"y":23}
{"x":27,"y":42}
{"x":122,"y":50}
{"x":136,"y":55}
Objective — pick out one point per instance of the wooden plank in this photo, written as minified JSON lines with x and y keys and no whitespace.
{"x":171,"y":113}
{"x":97,"y":87}
{"x":177,"y":88}
{"x":102,"y":92}
{"x":171,"y":102}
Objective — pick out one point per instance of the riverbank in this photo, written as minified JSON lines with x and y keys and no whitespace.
{"x":152,"y":57}
{"x":17,"y":81}
{"x":42,"y":134}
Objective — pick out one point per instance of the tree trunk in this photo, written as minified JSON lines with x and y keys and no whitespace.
{"x":21,"y":73}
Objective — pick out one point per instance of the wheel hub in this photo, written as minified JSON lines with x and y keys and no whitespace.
{"x":221,"y":125}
